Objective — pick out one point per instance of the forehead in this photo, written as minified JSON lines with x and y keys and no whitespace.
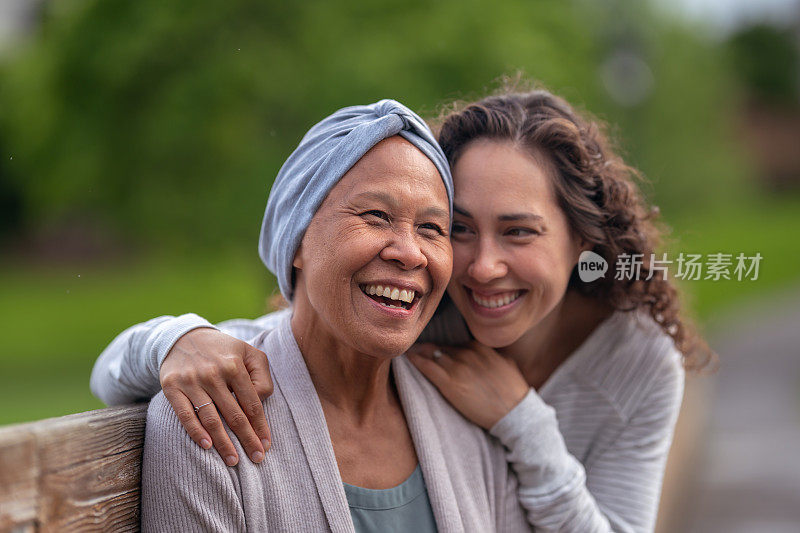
{"x":499,"y":171}
{"x":396,"y":166}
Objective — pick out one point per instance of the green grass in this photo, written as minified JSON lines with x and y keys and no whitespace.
{"x":55,"y":321}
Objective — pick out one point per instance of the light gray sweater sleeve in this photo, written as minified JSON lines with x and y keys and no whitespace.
{"x":620,"y":492}
{"x":128,"y":369}
{"x":185,"y":488}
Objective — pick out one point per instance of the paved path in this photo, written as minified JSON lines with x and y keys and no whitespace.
{"x":748,"y":478}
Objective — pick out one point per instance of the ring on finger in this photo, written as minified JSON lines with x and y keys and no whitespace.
{"x":437,"y":354}
{"x":197,"y":407}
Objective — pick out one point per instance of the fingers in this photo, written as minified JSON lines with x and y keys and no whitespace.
{"x":251,"y":389}
{"x":210,"y":419}
{"x":188,"y":418}
{"x":203,"y":425}
{"x":427,"y":349}
{"x":228,"y":406}
{"x":258,"y":367}
{"x":483,"y":352}
{"x":430,"y":368}
{"x":250,"y":404}
{"x":435,"y":363}
{"x":442,"y":356}
{"x":260,"y":381}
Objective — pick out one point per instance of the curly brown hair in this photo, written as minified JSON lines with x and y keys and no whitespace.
{"x":596,"y":190}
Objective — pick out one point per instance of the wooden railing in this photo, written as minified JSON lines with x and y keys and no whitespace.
{"x":79,"y":472}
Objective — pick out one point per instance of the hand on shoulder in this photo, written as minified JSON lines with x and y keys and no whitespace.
{"x":208,"y":373}
{"x":481,"y":384}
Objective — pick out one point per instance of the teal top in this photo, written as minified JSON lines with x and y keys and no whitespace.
{"x":400,"y":509}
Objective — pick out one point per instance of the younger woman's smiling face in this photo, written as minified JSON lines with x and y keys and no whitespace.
{"x":513,"y":249}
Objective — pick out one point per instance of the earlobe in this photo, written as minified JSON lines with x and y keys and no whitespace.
{"x":583,"y":246}
{"x":297,"y":262}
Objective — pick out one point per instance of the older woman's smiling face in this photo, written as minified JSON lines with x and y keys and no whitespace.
{"x":376,"y":258}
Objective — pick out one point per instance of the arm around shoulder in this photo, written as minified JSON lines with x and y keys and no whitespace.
{"x":127,"y":370}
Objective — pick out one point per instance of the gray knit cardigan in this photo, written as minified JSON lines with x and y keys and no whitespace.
{"x":298,"y":486}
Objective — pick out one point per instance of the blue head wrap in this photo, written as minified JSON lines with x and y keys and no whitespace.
{"x":325,"y":154}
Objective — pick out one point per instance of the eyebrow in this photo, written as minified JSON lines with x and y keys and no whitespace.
{"x":436,"y":212}
{"x":515,"y":217}
{"x":507,"y":217}
{"x":389,"y":200}
{"x":378,"y":196}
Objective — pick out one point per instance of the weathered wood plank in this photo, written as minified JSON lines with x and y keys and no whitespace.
{"x":19,"y":472}
{"x":78,"y":472}
{"x":81,"y":494}
{"x":118,"y":513}
{"x":74,"y":439}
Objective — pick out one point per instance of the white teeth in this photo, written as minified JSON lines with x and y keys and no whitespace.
{"x":496,"y":301}
{"x":393,"y":293}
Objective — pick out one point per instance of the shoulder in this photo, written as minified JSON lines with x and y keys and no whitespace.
{"x":632,"y":362}
{"x":163,"y":426}
{"x":169,"y":453}
{"x":460,"y":453}
{"x":159,"y":411}
{"x":244,"y":329}
{"x":423,"y":403}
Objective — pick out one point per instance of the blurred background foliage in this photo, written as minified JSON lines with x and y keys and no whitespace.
{"x":139,"y":141}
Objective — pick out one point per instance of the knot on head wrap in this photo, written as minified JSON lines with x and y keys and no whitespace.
{"x":325,"y":154}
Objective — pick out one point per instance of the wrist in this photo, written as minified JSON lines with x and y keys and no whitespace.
{"x":530,"y":411}
{"x":172,"y":331}
{"x":508,"y":404}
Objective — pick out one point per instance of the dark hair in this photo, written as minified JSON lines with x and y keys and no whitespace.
{"x":595,"y":189}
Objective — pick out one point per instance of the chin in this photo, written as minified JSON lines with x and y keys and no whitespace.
{"x":386,"y":346}
{"x":494,"y":337}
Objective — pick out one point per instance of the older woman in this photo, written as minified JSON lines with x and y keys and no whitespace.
{"x":365,"y":441}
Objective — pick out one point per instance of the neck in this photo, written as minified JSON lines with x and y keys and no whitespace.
{"x":542,"y":349}
{"x":353,"y":384}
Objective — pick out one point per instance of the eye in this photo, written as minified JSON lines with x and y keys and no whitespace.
{"x":522,"y":232}
{"x":432,"y":226}
{"x":376,"y":213}
{"x":459,"y":228}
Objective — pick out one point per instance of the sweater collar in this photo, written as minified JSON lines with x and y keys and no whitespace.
{"x":291,"y":374}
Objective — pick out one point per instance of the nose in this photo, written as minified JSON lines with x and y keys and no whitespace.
{"x":487,"y":264}
{"x":404,"y":250}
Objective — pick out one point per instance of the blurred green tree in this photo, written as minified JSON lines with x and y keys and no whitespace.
{"x":167,"y":121}
{"x":767,"y":62}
